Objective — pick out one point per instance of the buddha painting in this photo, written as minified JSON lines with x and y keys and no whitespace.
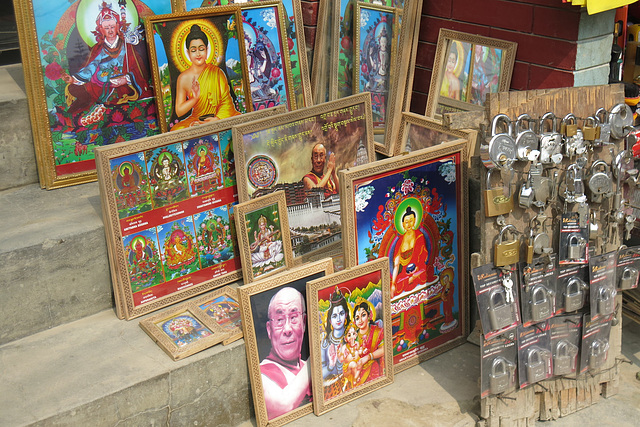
{"x":179,"y":250}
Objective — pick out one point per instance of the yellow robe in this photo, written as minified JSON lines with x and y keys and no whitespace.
{"x":215,"y":98}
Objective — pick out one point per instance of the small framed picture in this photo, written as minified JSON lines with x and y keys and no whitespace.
{"x":263,"y":236}
{"x":466,"y":68}
{"x":182,"y":331}
{"x":349,"y":332}
{"x":223,"y":307}
{"x":274,"y":319}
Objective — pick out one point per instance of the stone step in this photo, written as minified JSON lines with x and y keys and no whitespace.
{"x":53,"y":258}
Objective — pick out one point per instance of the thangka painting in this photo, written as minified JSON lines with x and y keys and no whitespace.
{"x":168,"y":204}
{"x":300,"y":153}
{"x":350,"y":333}
{"x":184,"y":329}
{"x":199,"y":68}
{"x":88,"y":80}
{"x":412,"y":210}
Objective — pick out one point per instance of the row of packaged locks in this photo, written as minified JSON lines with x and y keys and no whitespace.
{"x":543,"y":319}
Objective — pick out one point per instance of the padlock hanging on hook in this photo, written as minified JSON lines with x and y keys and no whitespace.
{"x":500,"y":150}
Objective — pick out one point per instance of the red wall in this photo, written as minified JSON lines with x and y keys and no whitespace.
{"x":546,"y":32}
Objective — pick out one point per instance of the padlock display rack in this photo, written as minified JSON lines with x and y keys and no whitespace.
{"x":555,"y":397}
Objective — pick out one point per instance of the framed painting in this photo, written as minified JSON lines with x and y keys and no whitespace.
{"x":263,"y":236}
{"x":274,"y":319}
{"x":87,"y":78}
{"x":418,"y":132}
{"x":182,"y":331}
{"x":349,"y":334}
{"x":300,"y":152}
{"x":295,"y":43}
{"x":466,"y":68}
{"x":223,"y":307}
{"x":321,"y":64}
{"x":168,"y":214}
{"x":412,"y":210}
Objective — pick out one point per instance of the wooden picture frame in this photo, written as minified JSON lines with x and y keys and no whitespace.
{"x":182,"y":331}
{"x":295,"y":34}
{"x":134,"y":205}
{"x":255,"y":300}
{"x":264,"y":240}
{"x":356,"y":302}
{"x":70,"y":113}
{"x":213,"y":65}
{"x":276,"y":154}
{"x":223,"y":307}
{"x":486,"y":67}
{"x":425,"y":191}
{"x":417,"y":132}
{"x":320,"y":82}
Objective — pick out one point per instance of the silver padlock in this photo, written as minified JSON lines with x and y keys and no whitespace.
{"x":575,"y":247}
{"x":621,"y":120}
{"x":541,"y":303}
{"x":606,"y":300}
{"x":500,"y":150}
{"x":501,"y":375}
{"x":574,"y":139}
{"x":600,"y":183}
{"x":604,"y":134}
{"x":574,"y":294}
{"x":564,"y":358}
{"x":550,"y":141}
{"x":500,"y":311}
{"x":598,"y":354}
{"x":526,"y":139}
{"x":536,"y":365}
{"x":628,"y":278}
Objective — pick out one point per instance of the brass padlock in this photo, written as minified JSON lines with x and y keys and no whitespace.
{"x":495,"y":201}
{"x":569,"y":125}
{"x":565,"y":357}
{"x":590,"y":129}
{"x":574,"y":294}
{"x":598,"y":354}
{"x":536,"y":365}
{"x":575,"y":247}
{"x":500,"y":311}
{"x":606,"y":300}
{"x":501,"y":375}
{"x":541,"y":303}
{"x":506,"y":253}
{"x":628,"y":278}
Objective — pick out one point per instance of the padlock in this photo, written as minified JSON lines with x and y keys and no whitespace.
{"x":598,"y":354}
{"x":536,"y":365}
{"x":574,"y":139}
{"x":495,"y":201}
{"x":604,"y":135}
{"x":621,"y":120}
{"x":500,"y":311}
{"x":506,"y":253}
{"x":500,"y":150}
{"x":628,"y":278}
{"x":569,"y":125}
{"x":540,"y":303}
{"x":574,"y":294}
{"x":550,"y":141}
{"x":564,"y":358}
{"x":600,"y":183}
{"x":575,"y":247}
{"x":501,"y":375}
{"x":590,"y":129}
{"x":526,"y":139}
{"x":606,"y":300}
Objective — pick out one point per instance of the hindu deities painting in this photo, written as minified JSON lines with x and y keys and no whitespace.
{"x":215,"y":243}
{"x":265,"y":239}
{"x":143,"y":260}
{"x":179,"y":250}
{"x":130,"y":185}
{"x":184,"y":329}
{"x":224,"y":310}
{"x":167,"y":175}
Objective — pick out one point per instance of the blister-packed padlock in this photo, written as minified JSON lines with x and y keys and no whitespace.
{"x":564,"y":358}
{"x":575,"y":247}
{"x":540,"y":303}
{"x":606,"y":300}
{"x":574,"y":294}
{"x":598,"y":354}
{"x":506,"y":252}
{"x":496,"y":202}
{"x":501,"y":375}
{"x":628,"y":278}
{"x":500,"y":150}
{"x":536,"y":365}
{"x":500,"y":311}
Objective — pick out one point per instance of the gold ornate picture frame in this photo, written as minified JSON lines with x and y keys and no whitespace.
{"x":349,"y":330}
{"x":466,"y":68}
{"x":264,"y":329}
{"x":411,"y":210}
{"x":150,"y":185}
{"x":264,"y":240}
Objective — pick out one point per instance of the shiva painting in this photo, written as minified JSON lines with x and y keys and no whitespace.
{"x":224,"y":310}
{"x":167,"y":175}
{"x":268,"y":64}
{"x":213,"y":230}
{"x":413,"y":215}
{"x":96,"y":75}
{"x":204,"y":169}
{"x":179,"y":249}
{"x":198,"y":69}
{"x":143,"y":260}
{"x":265,"y":240}
{"x":374,"y":37}
{"x":130,"y":185}
{"x":455,"y":76}
{"x":184,"y":329}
